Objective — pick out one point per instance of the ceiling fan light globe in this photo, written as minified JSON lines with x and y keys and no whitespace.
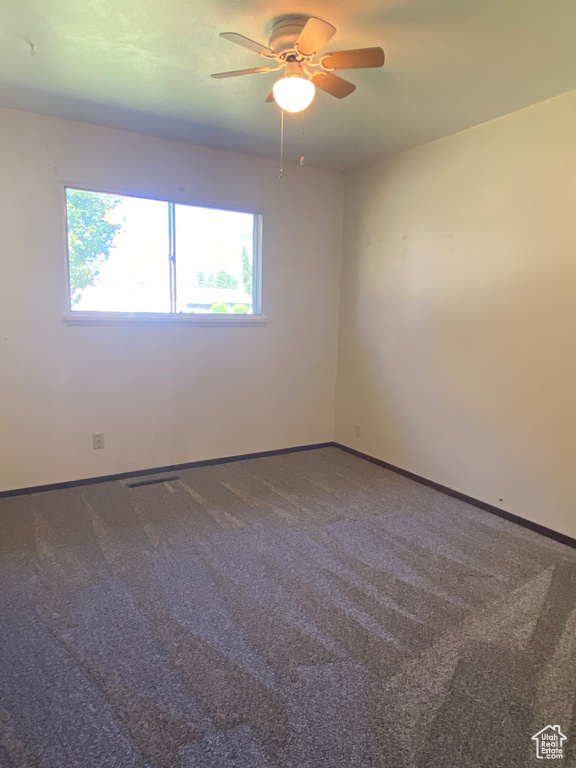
{"x":293,"y":93}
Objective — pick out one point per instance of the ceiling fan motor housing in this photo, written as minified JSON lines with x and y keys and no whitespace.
{"x":285,"y":31}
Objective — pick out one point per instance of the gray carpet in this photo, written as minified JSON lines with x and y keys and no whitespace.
{"x":310,"y":610}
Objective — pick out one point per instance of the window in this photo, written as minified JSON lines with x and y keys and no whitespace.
{"x":130,"y":255}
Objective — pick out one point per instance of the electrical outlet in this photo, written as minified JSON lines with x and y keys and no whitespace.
{"x":98,"y":440}
{"x":356,"y":430}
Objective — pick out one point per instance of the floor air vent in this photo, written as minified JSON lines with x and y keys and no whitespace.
{"x":151,"y":481}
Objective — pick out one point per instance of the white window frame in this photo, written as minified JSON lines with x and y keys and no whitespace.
{"x":75,"y":317}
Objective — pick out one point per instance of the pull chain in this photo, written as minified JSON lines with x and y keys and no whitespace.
{"x":302,"y":142}
{"x":281,"y":175}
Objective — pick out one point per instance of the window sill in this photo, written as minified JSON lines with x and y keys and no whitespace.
{"x":143,"y":318}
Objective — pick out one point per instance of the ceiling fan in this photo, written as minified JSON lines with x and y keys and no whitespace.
{"x":294,"y":41}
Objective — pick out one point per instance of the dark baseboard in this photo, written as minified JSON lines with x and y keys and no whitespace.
{"x":157,"y":470}
{"x":549,"y":532}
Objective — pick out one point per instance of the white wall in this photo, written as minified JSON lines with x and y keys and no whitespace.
{"x":161,"y":395}
{"x":458,"y":315}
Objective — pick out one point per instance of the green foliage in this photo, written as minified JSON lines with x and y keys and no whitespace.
{"x":91,"y":234}
{"x":240,"y":309}
{"x":222,"y":280}
{"x":219,"y":308}
{"x":246,"y":272}
{"x":201,"y":276}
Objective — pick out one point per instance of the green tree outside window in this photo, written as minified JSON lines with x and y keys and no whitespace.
{"x":91,"y":233}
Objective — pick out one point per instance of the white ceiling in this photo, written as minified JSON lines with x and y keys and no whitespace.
{"x":145,"y":66}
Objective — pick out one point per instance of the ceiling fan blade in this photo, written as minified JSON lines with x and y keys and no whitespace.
{"x":332,"y":84}
{"x":361,"y":58}
{"x":245,"y":42}
{"x":314,"y":37}
{"x":238,"y":72}
{"x":270,"y":98}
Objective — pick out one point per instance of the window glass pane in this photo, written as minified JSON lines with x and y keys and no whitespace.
{"x":214,"y":260}
{"x":118,"y":249}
